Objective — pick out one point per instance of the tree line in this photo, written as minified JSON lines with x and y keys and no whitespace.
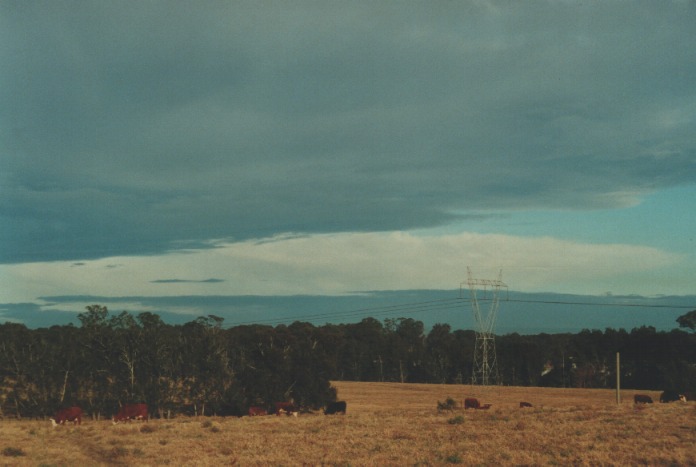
{"x":203,"y":368}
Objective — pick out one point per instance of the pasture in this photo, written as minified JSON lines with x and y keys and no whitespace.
{"x":386,"y":424}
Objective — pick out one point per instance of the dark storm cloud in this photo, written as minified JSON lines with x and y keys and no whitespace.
{"x":131,"y":128}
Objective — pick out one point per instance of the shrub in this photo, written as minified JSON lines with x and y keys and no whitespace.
{"x":449,"y":404}
{"x":116,"y":452}
{"x":13,"y":452}
{"x":458,"y":420}
{"x":147,"y":429}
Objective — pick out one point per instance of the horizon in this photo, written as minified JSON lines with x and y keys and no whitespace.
{"x":518,"y":312}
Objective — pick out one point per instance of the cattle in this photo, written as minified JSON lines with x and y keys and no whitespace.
{"x":642,"y":399}
{"x":690,"y":396}
{"x":525,"y":404}
{"x":335,"y":407}
{"x":71,"y":414}
{"x":257,"y":411}
{"x":131,"y":412}
{"x":285,"y":408}
{"x":671,"y":396}
{"x":471,"y":403}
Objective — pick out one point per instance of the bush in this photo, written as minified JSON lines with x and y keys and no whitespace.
{"x":13,"y":452}
{"x":449,"y":404}
{"x":116,"y":452}
{"x":458,"y":420}
{"x":147,"y":429}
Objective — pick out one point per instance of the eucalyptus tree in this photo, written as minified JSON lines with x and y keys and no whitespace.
{"x":100,"y":361}
{"x":256,"y":364}
{"x":365,"y":350}
{"x":16,"y":351}
{"x":157,"y":370}
{"x":309,"y":366}
{"x":439,"y":349}
{"x":688,"y":321}
{"x":206,"y":374}
{"x":406,"y":340}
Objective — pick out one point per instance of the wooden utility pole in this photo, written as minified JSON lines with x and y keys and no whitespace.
{"x":618,"y":379}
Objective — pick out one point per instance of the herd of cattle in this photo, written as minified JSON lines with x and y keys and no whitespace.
{"x":666,"y":396}
{"x":139,"y":412}
{"x":473,"y":403}
{"x":125,"y":413}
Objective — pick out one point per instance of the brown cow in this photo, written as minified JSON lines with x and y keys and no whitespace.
{"x":471,"y":403}
{"x":71,"y":414}
{"x":642,"y":399}
{"x":257,"y":411}
{"x":131,"y":412}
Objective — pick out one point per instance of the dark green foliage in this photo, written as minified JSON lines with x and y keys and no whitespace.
{"x":449,"y":404}
{"x":205,"y":369}
{"x":688,"y":320}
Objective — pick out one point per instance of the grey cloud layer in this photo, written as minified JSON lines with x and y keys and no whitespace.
{"x":133,"y":128}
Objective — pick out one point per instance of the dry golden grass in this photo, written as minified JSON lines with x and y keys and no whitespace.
{"x":386,"y":424}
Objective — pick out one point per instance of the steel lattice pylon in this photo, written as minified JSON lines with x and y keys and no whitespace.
{"x":485,"y":368}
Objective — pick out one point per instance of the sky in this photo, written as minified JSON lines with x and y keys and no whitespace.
{"x":263,"y":161}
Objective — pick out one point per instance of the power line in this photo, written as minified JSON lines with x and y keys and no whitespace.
{"x":405,"y":308}
{"x":437,"y":306}
{"x":635,"y":305}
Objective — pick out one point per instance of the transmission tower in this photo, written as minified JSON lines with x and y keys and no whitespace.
{"x":485,"y":369}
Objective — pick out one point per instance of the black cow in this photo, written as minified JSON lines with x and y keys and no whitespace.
{"x":335,"y":407}
{"x":671,"y":396}
{"x":642,"y":399}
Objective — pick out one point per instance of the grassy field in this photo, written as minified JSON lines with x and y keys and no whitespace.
{"x":386,"y":424}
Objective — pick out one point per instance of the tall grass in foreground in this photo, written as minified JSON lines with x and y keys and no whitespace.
{"x":386,"y":424}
